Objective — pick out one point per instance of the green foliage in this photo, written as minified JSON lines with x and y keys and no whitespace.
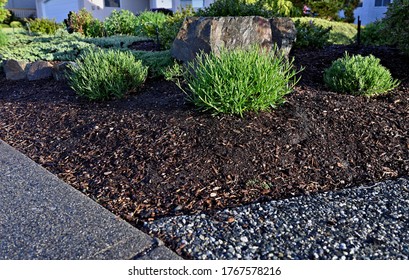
{"x":3,"y":38}
{"x":282,"y":7}
{"x":43,"y":25}
{"x":122,"y":22}
{"x":341,"y":33}
{"x":359,"y":75}
{"x":102,"y":75}
{"x":31,"y":48}
{"x":149,"y":23}
{"x":3,"y":12}
{"x":375,"y":34}
{"x":222,"y":8}
{"x":311,"y":35}
{"x":327,"y":9}
{"x":79,"y":22}
{"x":397,"y":24}
{"x":349,"y":8}
{"x":16,"y":24}
{"x":170,"y":29}
{"x":157,"y":62}
{"x":239,"y":81}
{"x":95,"y":29}
{"x":117,"y":41}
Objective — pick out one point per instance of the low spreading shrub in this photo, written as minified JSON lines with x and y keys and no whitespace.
{"x":122,"y":22}
{"x":43,"y":25}
{"x":397,"y":24}
{"x":156,"y":62}
{"x":341,"y":33}
{"x":105,"y":74}
{"x":238,"y":81}
{"x":3,"y":39}
{"x":359,"y":75}
{"x":311,"y":35}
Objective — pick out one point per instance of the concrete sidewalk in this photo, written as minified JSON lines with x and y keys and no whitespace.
{"x":43,"y":218}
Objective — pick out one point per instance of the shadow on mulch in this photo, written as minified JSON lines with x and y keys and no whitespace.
{"x":152,"y":154}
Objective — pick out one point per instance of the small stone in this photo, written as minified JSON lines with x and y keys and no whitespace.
{"x":244,"y":239}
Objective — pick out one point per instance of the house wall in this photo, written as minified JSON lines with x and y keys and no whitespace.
{"x":21,"y":4}
{"x":369,"y":13}
{"x":98,"y":9}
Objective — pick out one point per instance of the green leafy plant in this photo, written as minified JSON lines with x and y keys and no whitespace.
{"x":169,"y":30}
{"x":311,"y":35}
{"x":79,"y":22}
{"x":223,"y":8}
{"x":105,"y":74}
{"x":375,"y":34}
{"x":237,"y":81}
{"x":359,"y":75}
{"x":148,"y":23}
{"x":4,"y":14}
{"x":122,"y":22}
{"x":95,"y":29}
{"x":43,"y":25}
{"x":397,"y":24}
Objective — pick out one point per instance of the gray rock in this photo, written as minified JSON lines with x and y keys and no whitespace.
{"x":60,"y":70}
{"x":209,"y":34}
{"x":39,"y":70}
{"x":15,"y":70}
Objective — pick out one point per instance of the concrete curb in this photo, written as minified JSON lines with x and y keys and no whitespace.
{"x":42,"y":218}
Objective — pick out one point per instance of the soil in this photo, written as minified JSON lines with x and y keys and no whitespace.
{"x":153,"y":154}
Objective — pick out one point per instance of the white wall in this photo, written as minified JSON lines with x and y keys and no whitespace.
{"x":98,"y":9}
{"x":369,"y":13}
{"x":155,"y":4}
{"x":21,"y":4}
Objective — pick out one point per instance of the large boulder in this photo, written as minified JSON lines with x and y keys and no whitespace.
{"x":15,"y":70}
{"x":39,"y":70}
{"x":209,"y":34}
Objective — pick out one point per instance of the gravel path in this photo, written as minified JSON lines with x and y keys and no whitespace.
{"x":367,"y":222}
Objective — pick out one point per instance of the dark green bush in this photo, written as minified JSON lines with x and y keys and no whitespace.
{"x":311,"y":35}
{"x":223,"y":8}
{"x":122,"y":22}
{"x":43,"y":25}
{"x":238,"y":81}
{"x":397,"y":24}
{"x":102,"y":75}
{"x":375,"y":34}
{"x":359,"y":75}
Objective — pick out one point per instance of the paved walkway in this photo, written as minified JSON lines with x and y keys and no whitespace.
{"x":41,"y":217}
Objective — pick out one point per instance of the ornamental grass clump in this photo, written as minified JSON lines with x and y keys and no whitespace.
{"x":359,"y":75}
{"x":105,"y":74}
{"x":237,"y":81}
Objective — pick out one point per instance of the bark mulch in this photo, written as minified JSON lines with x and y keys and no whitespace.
{"x":152,"y":154}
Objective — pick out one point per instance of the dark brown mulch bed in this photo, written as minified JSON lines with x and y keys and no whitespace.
{"x":152,"y":154}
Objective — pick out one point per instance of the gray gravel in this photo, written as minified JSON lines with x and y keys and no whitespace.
{"x":367,"y":222}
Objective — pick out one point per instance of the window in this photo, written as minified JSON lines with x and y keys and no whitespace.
{"x":112,"y":3}
{"x":360,"y":3}
{"x":382,"y":3}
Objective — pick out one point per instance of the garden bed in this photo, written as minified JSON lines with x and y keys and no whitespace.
{"x":152,"y":154}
